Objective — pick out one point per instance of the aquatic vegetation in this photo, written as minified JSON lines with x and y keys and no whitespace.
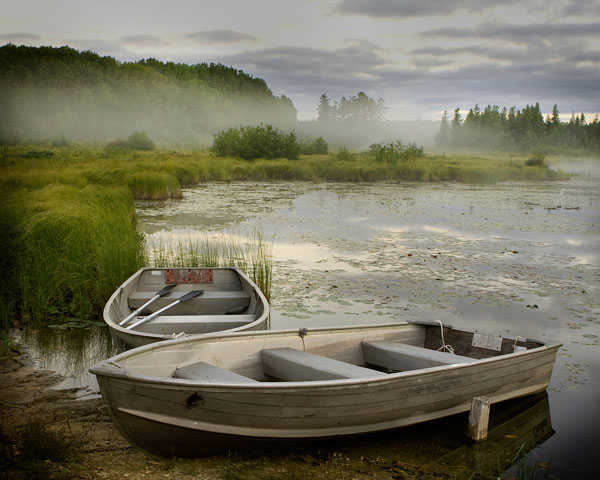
{"x":69,"y":214}
{"x":153,"y":185}
{"x":252,"y":255}
{"x":71,"y":241}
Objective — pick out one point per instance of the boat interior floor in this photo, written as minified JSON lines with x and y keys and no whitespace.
{"x":292,"y":365}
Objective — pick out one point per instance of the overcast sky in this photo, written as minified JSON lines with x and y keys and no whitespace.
{"x":421,"y":56}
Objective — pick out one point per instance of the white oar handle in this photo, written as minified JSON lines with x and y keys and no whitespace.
{"x":135,"y":312}
{"x":163,"y":291}
{"x":153,"y":315}
{"x":187,"y":296}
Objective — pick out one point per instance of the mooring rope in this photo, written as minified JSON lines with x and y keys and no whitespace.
{"x":444,"y":347}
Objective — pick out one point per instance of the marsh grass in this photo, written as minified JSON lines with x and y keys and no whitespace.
{"x":70,"y":247}
{"x":68,"y":217}
{"x":153,"y":185}
{"x":253,"y":255}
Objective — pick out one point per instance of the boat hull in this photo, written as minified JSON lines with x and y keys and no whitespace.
{"x":173,"y":417}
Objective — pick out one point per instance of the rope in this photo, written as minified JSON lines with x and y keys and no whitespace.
{"x":444,"y":347}
{"x":515,"y":344}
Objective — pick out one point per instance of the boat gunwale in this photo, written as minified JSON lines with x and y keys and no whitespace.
{"x":111,"y":368}
{"x":166,"y":337}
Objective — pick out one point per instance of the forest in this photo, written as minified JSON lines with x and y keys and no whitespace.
{"x":63,"y":96}
{"x":51,"y":92}
{"x":526,"y":129}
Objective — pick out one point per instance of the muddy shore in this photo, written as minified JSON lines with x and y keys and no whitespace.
{"x":95,"y":449}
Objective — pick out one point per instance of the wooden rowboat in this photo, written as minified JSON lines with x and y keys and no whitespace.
{"x":201,"y":395}
{"x":163,"y":303}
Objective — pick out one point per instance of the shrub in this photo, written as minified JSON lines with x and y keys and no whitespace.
{"x":343,"y":154}
{"x":135,"y":141}
{"x":61,"y":141}
{"x":318,"y":147}
{"x":538,"y":159}
{"x":262,"y":141}
{"x":394,"y":152}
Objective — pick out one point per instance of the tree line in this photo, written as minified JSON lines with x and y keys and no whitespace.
{"x":47,"y":91}
{"x":359,"y":107}
{"x":514,"y":128}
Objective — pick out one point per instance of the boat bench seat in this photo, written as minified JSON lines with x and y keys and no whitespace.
{"x":209,"y":302}
{"x":205,"y":372}
{"x":402,"y":356}
{"x":166,"y":324}
{"x":294,"y":365}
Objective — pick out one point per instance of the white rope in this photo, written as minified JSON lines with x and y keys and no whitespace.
{"x":444,"y":347}
{"x":178,"y":335}
{"x":515,"y":344}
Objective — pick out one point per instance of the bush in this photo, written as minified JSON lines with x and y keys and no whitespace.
{"x":318,"y":147}
{"x":538,"y":159}
{"x":344,"y":155}
{"x":135,"y":141}
{"x":262,"y":141}
{"x":394,"y":152}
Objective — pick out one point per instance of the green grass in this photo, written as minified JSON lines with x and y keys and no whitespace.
{"x":252,"y":255}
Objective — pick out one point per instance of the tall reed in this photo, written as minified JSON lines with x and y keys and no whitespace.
{"x":252,"y":255}
{"x":70,"y":247}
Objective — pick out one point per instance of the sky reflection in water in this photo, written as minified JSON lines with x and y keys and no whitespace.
{"x":518,"y":258}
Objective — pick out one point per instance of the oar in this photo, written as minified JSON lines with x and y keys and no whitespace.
{"x":187,"y":296}
{"x":159,"y":294}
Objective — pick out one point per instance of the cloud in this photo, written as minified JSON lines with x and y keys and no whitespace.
{"x":584,"y":8}
{"x":141,"y":41}
{"x":20,"y":38}
{"x":537,"y":33}
{"x":414,"y":8}
{"x":295,"y":69}
{"x":213,"y":37}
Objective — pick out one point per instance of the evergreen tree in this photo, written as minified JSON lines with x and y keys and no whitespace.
{"x":324,"y":110}
{"x":443,"y":135}
{"x":555,"y":117}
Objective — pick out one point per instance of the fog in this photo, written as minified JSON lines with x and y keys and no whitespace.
{"x":176,"y":117}
{"x":358,"y":135}
{"x":171,"y":117}
{"x":578,"y":166}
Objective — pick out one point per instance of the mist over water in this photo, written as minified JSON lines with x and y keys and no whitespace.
{"x":64,"y":96}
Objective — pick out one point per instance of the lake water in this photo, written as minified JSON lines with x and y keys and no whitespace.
{"x":515,"y":258}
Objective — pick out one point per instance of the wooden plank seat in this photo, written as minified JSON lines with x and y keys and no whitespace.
{"x":165,"y":324}
{"x":401,"y":356}
{"x":205,"y":372}
{"x":294,"y":365}
{"x":209,"y":302}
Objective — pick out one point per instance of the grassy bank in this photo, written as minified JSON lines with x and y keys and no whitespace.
{"x":68,"y":214}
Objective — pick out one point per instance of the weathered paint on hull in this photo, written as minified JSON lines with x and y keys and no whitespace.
{"x":191,"y":420}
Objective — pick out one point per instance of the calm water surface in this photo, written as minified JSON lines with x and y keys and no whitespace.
{"x":518,"y":258}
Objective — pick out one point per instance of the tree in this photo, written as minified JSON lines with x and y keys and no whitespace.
{"x":443,"y":135}
{"x":326,"y":113}
{"x":555,"y":120}
{"x":358,"y":108}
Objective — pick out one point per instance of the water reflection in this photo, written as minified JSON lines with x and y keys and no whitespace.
{"x":70,"y":353}
{"x":473,"y":256}
{"x":516,"y":429}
